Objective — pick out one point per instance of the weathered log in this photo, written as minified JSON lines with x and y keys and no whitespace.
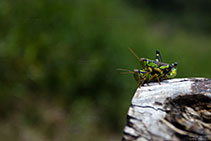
{"x":178,"y":109}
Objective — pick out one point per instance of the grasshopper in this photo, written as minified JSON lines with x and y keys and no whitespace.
{"x":153,"y":70}
{"x":139,"y":75}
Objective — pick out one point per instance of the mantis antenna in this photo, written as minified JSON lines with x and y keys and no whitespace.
{"x":125,"y":71}
{"x":134,"y":54}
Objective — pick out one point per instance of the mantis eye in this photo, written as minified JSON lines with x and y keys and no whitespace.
{"x":143,"y":59}
{"x":136,"y":70}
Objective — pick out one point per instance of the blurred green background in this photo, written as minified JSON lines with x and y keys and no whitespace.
{"x":58,"y":61}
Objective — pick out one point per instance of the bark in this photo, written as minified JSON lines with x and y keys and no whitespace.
{"x":178,"y":109}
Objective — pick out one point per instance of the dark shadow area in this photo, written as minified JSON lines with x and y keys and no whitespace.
{"x":191,"y":114}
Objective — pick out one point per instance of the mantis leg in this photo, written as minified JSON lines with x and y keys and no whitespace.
{"x":138,"y":83}
{"x":158,"y":70}
{"x":146,"y":75}
{"x":155,"y":75}
{"x":158,"y":56}
{"x":149,"y":71}
{"x":142,"y":84}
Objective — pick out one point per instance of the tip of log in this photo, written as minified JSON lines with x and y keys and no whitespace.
{"x":178,"y":109}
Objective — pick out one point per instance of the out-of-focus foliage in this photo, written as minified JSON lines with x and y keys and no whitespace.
{"x":58,"y":61}
{"x":190,"y":15}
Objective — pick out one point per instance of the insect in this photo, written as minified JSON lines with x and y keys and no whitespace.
{"x":153,"y":70}
{"x":139,"y":75}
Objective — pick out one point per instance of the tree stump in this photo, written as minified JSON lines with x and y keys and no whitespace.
{"x":178,"y":109}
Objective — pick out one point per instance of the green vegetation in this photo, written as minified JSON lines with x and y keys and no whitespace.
{"x":58,"y":61}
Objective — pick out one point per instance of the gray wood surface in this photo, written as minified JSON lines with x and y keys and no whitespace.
{"x":178,"y":109}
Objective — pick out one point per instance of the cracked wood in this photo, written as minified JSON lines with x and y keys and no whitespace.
{"x":162,"y":112}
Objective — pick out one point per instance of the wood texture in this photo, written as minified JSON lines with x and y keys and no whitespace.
{"x":178,"y":109}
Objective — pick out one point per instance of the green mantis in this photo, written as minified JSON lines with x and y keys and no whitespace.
{"x":152,"y":70}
